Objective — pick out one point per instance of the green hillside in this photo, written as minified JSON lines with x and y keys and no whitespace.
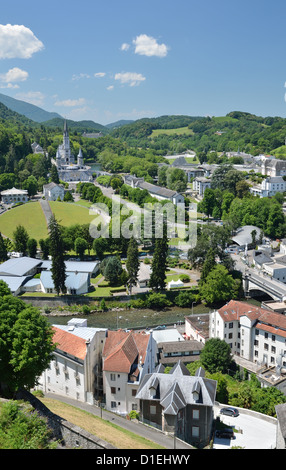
{"x":27,"y":109}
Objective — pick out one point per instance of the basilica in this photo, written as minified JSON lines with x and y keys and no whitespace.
{"x":69,"y":169}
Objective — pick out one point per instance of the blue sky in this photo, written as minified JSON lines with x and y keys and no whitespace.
{"x":110,"y":60}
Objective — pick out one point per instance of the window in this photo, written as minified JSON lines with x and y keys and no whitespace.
{"x":113,"y":390}
{"x":152,"y":409}
{"x":113,"y":404}
{"x":195,"y":431}
{"x":266,"y":347}
{"x":273,"y":338}
{"x":265,"y":335}
{"x":134,"y":406}
{"x":112,"y":377}
{"x":230,"y":325}
{"x":273,"y":349}
{"x":196,"y":414}
{"x":134,"y":392}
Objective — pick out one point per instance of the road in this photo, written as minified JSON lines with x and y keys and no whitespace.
{"x":153,"y":434}
{"x":256,"y":433}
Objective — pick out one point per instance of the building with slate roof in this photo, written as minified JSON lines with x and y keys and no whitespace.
{"x":179,"y":403}
{"x":127,"y":357}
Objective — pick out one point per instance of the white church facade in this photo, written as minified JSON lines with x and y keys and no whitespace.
{"x":68,"y":168}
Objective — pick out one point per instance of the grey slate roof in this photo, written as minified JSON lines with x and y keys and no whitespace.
{"x":153,"y":189}
{"x":178,"y":389}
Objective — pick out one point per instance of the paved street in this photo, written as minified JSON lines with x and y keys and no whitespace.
{"x":256,"y":433}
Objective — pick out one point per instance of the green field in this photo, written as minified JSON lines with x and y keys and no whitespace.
{"x":178,"y":131}
{"x":29,"y":215}
{"x":70,"y":214}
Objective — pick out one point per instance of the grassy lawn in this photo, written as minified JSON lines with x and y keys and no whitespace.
{"x":101,"y":428}
{"x":29,"y":215}
{"x":70,"y":214}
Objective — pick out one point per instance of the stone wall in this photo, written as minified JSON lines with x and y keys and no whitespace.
{"x":69,"y":435}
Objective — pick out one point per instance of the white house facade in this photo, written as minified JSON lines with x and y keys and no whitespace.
{"x":53,"y":191}
{"x":253,"y":333}
{"x":78,"y":352}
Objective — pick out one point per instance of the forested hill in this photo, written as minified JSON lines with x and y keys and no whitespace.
{"x":235,"y":131}
{"x":27,"y":109}
{"x":9,"y":118}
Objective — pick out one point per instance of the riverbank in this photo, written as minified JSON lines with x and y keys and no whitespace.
{"x":127,"y":318}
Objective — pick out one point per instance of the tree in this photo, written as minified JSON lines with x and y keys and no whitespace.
{"x":3,"y":249}
{"x":25,"y":346}
{"x":100,"y":245}
{"x":31,"y":184}
{"x":219,"y":286}
{"x":68,"y":197}
{"x":54,"y":175}
{"x":111,"y":269}
{"x":32,"y":247}
{"x":216,"y":356}
{"x":132,"y":262}
{"x":208,"y":203}
{"x":57,"y":252}
{"x":80,"y":246}
{"x":159,"y":262}
{"x":20,"y":237}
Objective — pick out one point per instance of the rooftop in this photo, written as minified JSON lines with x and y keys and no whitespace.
{"x":18,"y":266}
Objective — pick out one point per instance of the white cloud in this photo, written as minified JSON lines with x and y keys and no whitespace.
{"x":99,"y":74}
{"x":70,"y":103}
{"x":33,"y":97}
{"x":147,"y":45}
{"x":17,"y":41}
{"x":110,"y":87}
{"x":80,"y":76}
{"x":14,"y":75}
{"x":124,"y":47}
{"x":130,"y":78}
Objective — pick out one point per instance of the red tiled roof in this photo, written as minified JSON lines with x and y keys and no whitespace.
{"x":122,"y":348}
{"x":233,"y":310}
{"x":271,"y":329}
{"x":69,"y":343}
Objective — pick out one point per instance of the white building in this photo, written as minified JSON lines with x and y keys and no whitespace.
{"x":127,"y":357}
{"x":14,"y":195}
{"x":76,"y":283}
{"x":68,"y":168}
{"x":75,"y":361}
{"x":269,"y":187}
{"x":273,"y":167}
{"x":53,"y":191}
{"x":253,"y":333}
{"x":200,"y":184}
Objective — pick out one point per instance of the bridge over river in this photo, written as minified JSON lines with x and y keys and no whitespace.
{"x":256,"y":281}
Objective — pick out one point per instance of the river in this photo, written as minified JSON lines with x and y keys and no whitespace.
{"x":129,"y":318}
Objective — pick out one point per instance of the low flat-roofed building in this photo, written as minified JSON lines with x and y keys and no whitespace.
{"x":23,"y":266}
{"x":197,"y":327}
{"x":186,"y":351}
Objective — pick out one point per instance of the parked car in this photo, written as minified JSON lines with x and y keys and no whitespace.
{"x":229,"y":411}
{"x":226,"y":433}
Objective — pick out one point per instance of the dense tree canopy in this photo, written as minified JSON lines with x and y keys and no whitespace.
{"x":25,"y":343}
